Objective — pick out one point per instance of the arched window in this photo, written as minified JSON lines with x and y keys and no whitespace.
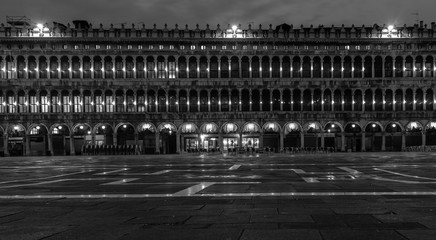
{"x":161,"y":68}
{"x":224,"y":67}
{"x":296,"y":100}
{"x":234,"y":67}
{"x":213,"y":67}
{"x":203,"y":67}
{"x":327,"y":68}
{"x":266,"y":102}
{"x":151,"y":68}
{"x":347,"y":67}
{"x":245,"y":65}
{"x":337,"y":69}
{"x":306,"y":67}
{"x":275,"y":67}
{"x":368,"y":67}
{"x":255,"y":67}
{"x":193,"y":67}
{"x":286,"y":67}
{"x":389,"y":67}
{"x":378,"y":67}
{"x":317,"y":67}
{"x":357,"y":67}
{"x":255,"y":100}
{"x":265,"y":67}
{"x":327,"y":100}
{"x":296,"y":67}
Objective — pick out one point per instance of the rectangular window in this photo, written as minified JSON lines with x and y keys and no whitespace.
{"x":223,"y":47}
{"x":33,"y":104}
{"x":244,"y":47}
{"x":171,"y":47}
{"x":347,"y":47}
{"x":76,"y":47}
{"x":150,"y":70}
{"x":234,"y":47}
{"x":357,"y":47}
{"x":160,"y":69}
{"x":140,"y":47}
{"x":65,"y":46}
{"x":129,"y":46}
{"x":66,"y":104}
{"x":213,"y":47}
{"x":255,"y":47}
{"x":203,"y":47}
{"x":86,"y":46}
{"x":182,"y":47}
{"x":265,"y":47}
{"x":22,"y":106}
{"x":141,"y":103}
{"x":192,"y":47}
{"x":77,"y":107}
{"x":55,"y":104}
{"x":109,"y":102}
{"x":150,"y":47}
{"x":88,"y":103}
{"x":108,"y":46}
{"x":97,"y":46}
{"x":99,"y":104}
{"x":172,"y":69}
{"x":161,"y":47}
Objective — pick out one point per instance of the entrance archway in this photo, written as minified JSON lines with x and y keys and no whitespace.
{"x":189,"y":135}
{"x":353,"y":137}
{"x":82,"y":137}
{"x":251,"y":136}
{"x":38,"y":140}
{"x":271,"y":136}
{"x":312,"y":134}
{"x":393,"y":136}
{"x":373,"y":137}
{"x":230,"y":136}
{"x":16,"y":140}
{"x":103,"y":134}
{"x":60,"y":138}
{"x":333,"y":136}
{"x":167,"y":138}
{"x":430,"y":134}
{"x":209,"y":137}
{"x":147,"y":138}
{"x":413,"y":134}
{"x":292,"y":137}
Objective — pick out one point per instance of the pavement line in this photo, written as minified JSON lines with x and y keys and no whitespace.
{"x":235,"y":167}
{"x":350,"y":170}
{"x":194,"y":189}
{"x":33,"y":179}
{"x":114,"y":171}
{"x":310,"y":180}
{"x":298,"y":171}
{"x":404,"y":175}
{"x":122,"y":181}
{"x":272,"y":194}
{"x":147,"y":174}
{"x":55,"y":181}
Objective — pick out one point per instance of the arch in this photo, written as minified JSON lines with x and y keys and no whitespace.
{"x":146,"y":126}
{"x":81,"y":126}
{"x":229,"y":127}
{"x":353,"y":127}
{"x":317,"y":66}
{"x":292,"y":126}
{"x":393,"y":125}
{"x":373,"y":126}
{"x":333,"y":126}
{"x":312,"y":127}
{"x":15,"y":128}
{"x":234,"y":66}
{"x":36,"y":125}
{"x":271,"y":127}
{"x":251,"y":127}
{"x":122,"y":125}
{"x":167,"y":125}
{"x":188,"y":128}
{"x":209,"y":128}
{"x":65,"y":129}
{"x":101,"y":128}
{"x":414,"y":126}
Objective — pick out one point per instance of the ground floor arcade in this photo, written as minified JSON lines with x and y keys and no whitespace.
{"x":186,"y":137}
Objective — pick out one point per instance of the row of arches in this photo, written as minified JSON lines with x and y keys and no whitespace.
{"x":110,"y":67}
{"x":216,"y":100}
{"x":167,"y":137}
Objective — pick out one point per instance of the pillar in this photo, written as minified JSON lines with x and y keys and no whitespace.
{"x":50,"y":144}
{"x":302,"y":139}
{"x":383,"y":146}
{"x":343,"y":142}
{"x":157,"y":150}
{"x":27,"y":146}
{"x":178,"y":143}
{"x":72,"y":148}
{"x":322,"y":140}
{"x":403,"y":140}
{"x":220,"y":142}
{"x":282,"y":145}
{"x":423,"y":139}
{"x":363,"y":142}
{"x":5,"y":143}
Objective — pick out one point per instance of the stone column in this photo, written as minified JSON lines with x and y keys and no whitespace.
{"x":343,"y":142}
{"x":363,"y":142}
{"x":70,"y":69}
{"x":157,"y":149}
{"x":302,"y":139}
{"x":311,"y":68}
{"x":322,"y":140}
{"x":383,"y":146}
{"x":72,"y":147}
{"x":50,"y":144}
{"x":27,"y":145}
{"x":249,"y":69}
{"x":282,"y":145}
{"x":220,"y":142}
{"x":403,"y":140}
{"x":5,"y":143}
{"x":26,"y":65}
{"x":178,"y":143}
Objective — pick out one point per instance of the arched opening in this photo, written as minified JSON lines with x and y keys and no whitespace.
{"x":82,"y":137}
{"x":296,"y":67}
{"x":245,"y":100}
{"x":266,"y":102}
{"x":42,"y":67}
{"x":358,"y":100}
{"x":368,"y":102}
{"x":151,"y":101}
{"x":125,"y":135}
{"x":373,"y":137}
{"x":378,"y":99}
{"x":430,"y":134}
{"x":224,"y":67}
{"x":398,"y":100}
{"x":103,"y":135}
{"x":255,"y":100}
{"x":337,"y":68}
{"x":234,"y":100}
{"x":119,"y":73}
{"x":353,"y":137}
{"x":337,"y":100}
{"x":333,"y":136}
{"x":193,"y":101}
{"x":429,"y":100}
{"x":347,"y":67}
{"x":54,"y":67}
{"x":271,"y":137}
{"x":108,"y":68}
{"x":183,"y":101}
{"x":389,"y":98}
{"x":172,"y":100}
{"x":213,"y":67}
{"x":378,"y":67}
{"x":190,"y":140}
{"x":245,"y":65}
{"x":255,"y":67}
{"x":413,"y":134}
{"x":98,"y":67}
{"x":389,"y":66}
{"x":209,"y":137}
{"x":265,"y":67}
{"x":275,"y":67}
{"x":16,"y":140}
{"x":130,"y":67}
{"x":203,"y":67}
{"x":250,"y":138}
{"x":393,"y":137}
{"x":429,"y":66}
{"x":312,"y":135}
{"x":204,"y":106}
{"x":161,"y":100}
{"x":408,"y":67}
{"x":419,"y":100}
{"x":167,"y":139}
{"x":306,"y":67}
{"x":297,"y":101}
{"x":182,"y":67}
{"x":286,"y":99}
{"x":140,"y":67}
{"x":367,"y":71}
{"x":398,"y":66}
{"x":225,"y":100}
{"x":348,"y":100}
{"x":60,"y":135}
{"x":327,"y":101}
{"x":214,"y":101}
{"x":276,"y":101}
{"x":286,"y":67}
{"x":147,"y":138}
{"x":234,"y":67}
{"x":38,"y":137}
{"x":193,"y":67}
{"x":230,"y":137}
{"x":292,"y":137}
{"x":162,"y":68}
{"x":317,"y":67}
{"x":419,"y":66}
{"x":307,"y":100}
{"x":151,"y":67}
{"x":358,"y":67}
{"x":409,"y":99}
{"x":65,"y":67}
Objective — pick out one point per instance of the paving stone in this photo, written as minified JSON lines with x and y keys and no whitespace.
{"x":30,"y":232}
{"x":418,"y":234}
{"x":234,"y":219}
{"x":358,"y":234}
{"x":183,"y":234}
{"x":281,"y":218}
{"x":279,"y":234}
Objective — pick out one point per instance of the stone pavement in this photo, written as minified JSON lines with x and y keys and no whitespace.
{"x":321,"y":197}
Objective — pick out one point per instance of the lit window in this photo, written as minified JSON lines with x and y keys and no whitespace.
{"x":161,"y":47}
{"x":129,"y":46}
{"x":244,"y":47}
{"x":86,"y":46}
{"x":347,"y":47}
{"x":316,"y":47}
{"x":357,"y":47}
{"x":171,"y":46}
{"x":192,"y":47}
{"x":76,"y":46}
{"x":108,"y":46}
{"x":203,"y":47}
{"x":139,"y":46}
{"x":255,"y":47}
{"x":182,"y":47}
{"x":265,"y":47}
{"x":97,"y":46}
{"x":368,"y":47}
{"x":119,"y":47}
{"x":150,"y":47}
{"x":234,"y":47}
{"x":213,"y":47}
{"x":275,"y":47}
{"x":65,"y":46}
{"x":223,"y":47}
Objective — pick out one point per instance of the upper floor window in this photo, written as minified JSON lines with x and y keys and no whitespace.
{"x":192,"y":47}
{"x":97,"y":46}
{"x":108,"y":46}
{"x":171,"y":47}
{"x":357,"y":47}
{"x":161,"y":47}
{"x":203,"y":47}
{"x":234,"y":47}
{"x":129,"y":46}
{"x":86,"y":46}
{"x":244,"y":47}
{"x":76,"y":47}
{"x":367,"y":47}
{"x":119,"y":47}
{"x":255,"y":47}
{"x":223,"y":47}
{"x":182,"y":47}
{"x":347,"y":47}
{"x":213,"y":47}
{"x":265,"y":47}
{"x":150,"y":47}
{"x":65,"y":46}
{"x":139,"y":46}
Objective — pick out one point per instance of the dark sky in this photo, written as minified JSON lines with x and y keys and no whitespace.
{"x":213,"y":12}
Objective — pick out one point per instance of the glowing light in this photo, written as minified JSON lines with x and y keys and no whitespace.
{"x":234,"y":28}
{"x":390,"y":27}
{"x":40,"y":26}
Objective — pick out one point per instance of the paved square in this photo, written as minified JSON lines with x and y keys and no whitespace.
{"x":281,"y":196}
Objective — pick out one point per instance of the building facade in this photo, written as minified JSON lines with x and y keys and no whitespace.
{"x":174,"y":90}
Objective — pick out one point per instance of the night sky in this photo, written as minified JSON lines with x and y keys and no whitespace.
{"x":224,"y":12}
